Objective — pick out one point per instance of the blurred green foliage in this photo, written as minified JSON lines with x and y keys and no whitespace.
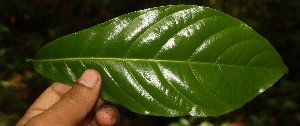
{"x":25,"y":26}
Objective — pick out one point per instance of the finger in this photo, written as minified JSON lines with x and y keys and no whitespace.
{"x":50,"y":96}
{"x":76,"y":103}
{"x":100,"y":102}
{"x":106,"y":116}
{"x":91,"y":114}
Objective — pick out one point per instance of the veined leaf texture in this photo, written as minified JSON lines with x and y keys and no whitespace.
{"x":168,"y":61}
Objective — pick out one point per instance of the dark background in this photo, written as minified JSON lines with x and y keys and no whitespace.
{"x":27,"y":25}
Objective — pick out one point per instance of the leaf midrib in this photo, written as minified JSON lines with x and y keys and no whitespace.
{"x":146,"y":60}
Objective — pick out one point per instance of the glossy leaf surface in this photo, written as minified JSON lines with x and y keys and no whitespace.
{"x":168,"y":61}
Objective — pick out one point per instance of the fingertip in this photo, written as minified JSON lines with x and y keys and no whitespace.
{"x":107,"y":116}
{"x":90,"y":78}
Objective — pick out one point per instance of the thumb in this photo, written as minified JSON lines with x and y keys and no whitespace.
{"x":74,"y":105}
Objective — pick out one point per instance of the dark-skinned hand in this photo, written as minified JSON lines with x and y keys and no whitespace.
{"x":63,"y":105}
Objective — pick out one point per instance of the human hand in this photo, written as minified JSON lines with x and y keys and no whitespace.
{"x":64,"y":105}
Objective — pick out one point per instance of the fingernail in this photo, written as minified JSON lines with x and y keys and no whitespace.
{"x":109,"y":111}
{"x":89,"y":78}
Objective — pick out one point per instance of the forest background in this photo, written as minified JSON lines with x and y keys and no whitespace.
{"x":27,"y":25}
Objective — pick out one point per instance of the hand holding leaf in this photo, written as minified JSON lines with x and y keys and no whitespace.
{"x":168,"y":61}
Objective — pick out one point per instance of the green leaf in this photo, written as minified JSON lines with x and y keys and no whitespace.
{"x":168,"y":61}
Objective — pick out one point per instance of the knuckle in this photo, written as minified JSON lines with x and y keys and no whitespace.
{"x":35,"y":122}
{"x":76,"y":96}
